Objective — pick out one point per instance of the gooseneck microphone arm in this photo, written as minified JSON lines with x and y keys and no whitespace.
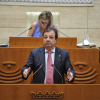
{"x":62,"y":33}
{"x":57,"y":71}
{"x":25,"y":31}
{"x":21,"y":33}
{"x":36,"y":71}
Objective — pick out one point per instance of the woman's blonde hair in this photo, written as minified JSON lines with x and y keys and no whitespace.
{"x":46,"y":15}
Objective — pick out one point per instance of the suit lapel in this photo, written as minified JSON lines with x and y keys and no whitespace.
{"x":57,"y":57}
{"x":42,"y":57}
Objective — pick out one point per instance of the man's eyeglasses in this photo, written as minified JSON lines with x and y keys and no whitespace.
{"x":44,"y":23}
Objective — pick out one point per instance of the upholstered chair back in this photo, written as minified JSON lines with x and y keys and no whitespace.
{"x":33,"y":17}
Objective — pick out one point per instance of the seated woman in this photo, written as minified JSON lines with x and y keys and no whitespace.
{"x":45,"y":20}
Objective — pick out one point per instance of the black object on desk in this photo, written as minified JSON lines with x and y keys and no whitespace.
{"x":4,"y":45}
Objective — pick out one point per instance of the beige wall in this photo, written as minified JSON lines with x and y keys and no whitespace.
{"x":73,"y":21}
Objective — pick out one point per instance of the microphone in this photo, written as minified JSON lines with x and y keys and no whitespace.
{"x":36,"y":71}
{"x":25,"y":31}
{"x":62,"y":33}
{"x":21,"y":33}
{"x":57,"y":71}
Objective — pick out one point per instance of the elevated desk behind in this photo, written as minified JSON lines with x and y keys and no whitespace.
{"x":36,"y":42}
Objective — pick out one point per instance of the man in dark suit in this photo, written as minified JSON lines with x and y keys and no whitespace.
{"x":60,"y":61}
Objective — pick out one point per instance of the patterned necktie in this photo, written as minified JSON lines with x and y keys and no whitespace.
{"x":49,"y":76}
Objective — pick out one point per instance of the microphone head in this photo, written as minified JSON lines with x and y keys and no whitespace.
{"x":52,"y":65}
{"x":30,"y":28}
{"x":41,"y":66}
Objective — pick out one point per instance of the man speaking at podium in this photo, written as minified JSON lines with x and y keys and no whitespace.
{"x":48,"y":63}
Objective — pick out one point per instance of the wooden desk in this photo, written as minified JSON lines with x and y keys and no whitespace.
{"x":42,"y":92}
{"x":36,"y":42}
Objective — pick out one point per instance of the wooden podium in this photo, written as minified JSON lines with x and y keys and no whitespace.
{"x":84,"y":61}
{"x":49,"y":92}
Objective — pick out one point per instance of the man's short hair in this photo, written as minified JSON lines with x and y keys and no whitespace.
{"x":52,"y":29}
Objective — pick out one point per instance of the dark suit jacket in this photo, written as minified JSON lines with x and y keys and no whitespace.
{"x":37,"y":58}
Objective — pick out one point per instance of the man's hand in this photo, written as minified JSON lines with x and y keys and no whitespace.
{"x":26,"y":72}
{"x":69,"y":75}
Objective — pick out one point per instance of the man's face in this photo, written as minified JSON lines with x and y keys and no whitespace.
{"x":49,"y":40}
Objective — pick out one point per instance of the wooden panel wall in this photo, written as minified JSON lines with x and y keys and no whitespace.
{"x":84,"y":61}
